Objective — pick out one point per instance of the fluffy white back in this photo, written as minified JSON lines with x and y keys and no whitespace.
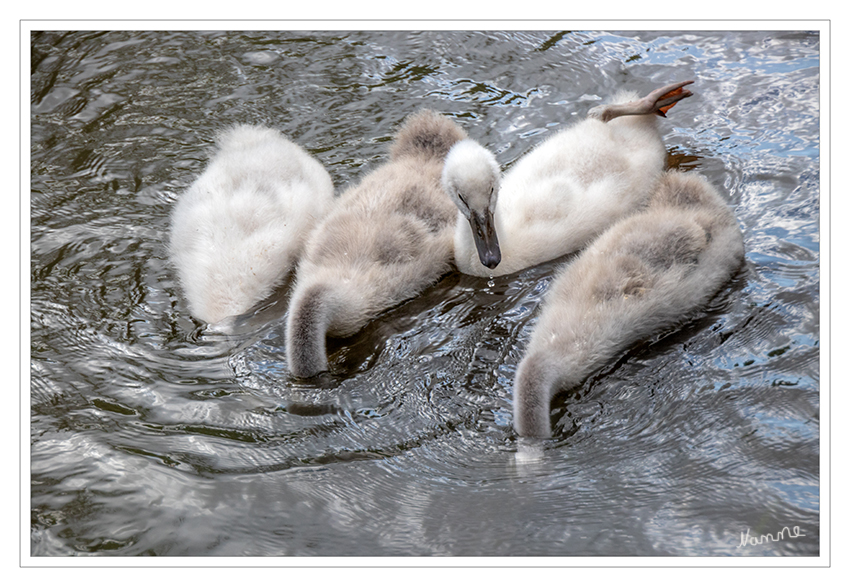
{"x":240,"y":228}
{"x":568,"y":190}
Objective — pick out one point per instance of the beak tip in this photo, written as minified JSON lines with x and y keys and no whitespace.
{"x":492,"y":262}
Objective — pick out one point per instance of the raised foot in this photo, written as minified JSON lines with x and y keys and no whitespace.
{"x":656,"y":102}
{"x":663,"y":99}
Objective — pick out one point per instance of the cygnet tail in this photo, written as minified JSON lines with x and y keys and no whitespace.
{"x":244,"y":137}
{"x":306,"y":330}
{"x":426,"y":134}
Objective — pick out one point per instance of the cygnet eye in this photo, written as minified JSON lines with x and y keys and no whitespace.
{"x":460,"y":195}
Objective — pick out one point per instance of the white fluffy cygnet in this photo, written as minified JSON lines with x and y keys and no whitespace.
{"x":563,"y":193}
{"x":241,"y":226}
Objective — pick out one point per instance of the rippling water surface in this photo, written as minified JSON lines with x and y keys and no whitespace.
{"x":153,"y":436}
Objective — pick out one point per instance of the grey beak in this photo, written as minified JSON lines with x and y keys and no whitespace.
{"x":486,"y":240}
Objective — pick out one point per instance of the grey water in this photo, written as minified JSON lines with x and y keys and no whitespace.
{"x":150,"y":435}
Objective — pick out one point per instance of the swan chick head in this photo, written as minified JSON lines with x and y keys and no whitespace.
{"x":471,"y":179}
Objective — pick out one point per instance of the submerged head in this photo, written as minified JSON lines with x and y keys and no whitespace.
{"x":534,"y":386}
{"x":471,"y":179}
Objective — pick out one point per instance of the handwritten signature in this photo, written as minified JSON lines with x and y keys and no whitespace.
{"x":746,"y":539}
